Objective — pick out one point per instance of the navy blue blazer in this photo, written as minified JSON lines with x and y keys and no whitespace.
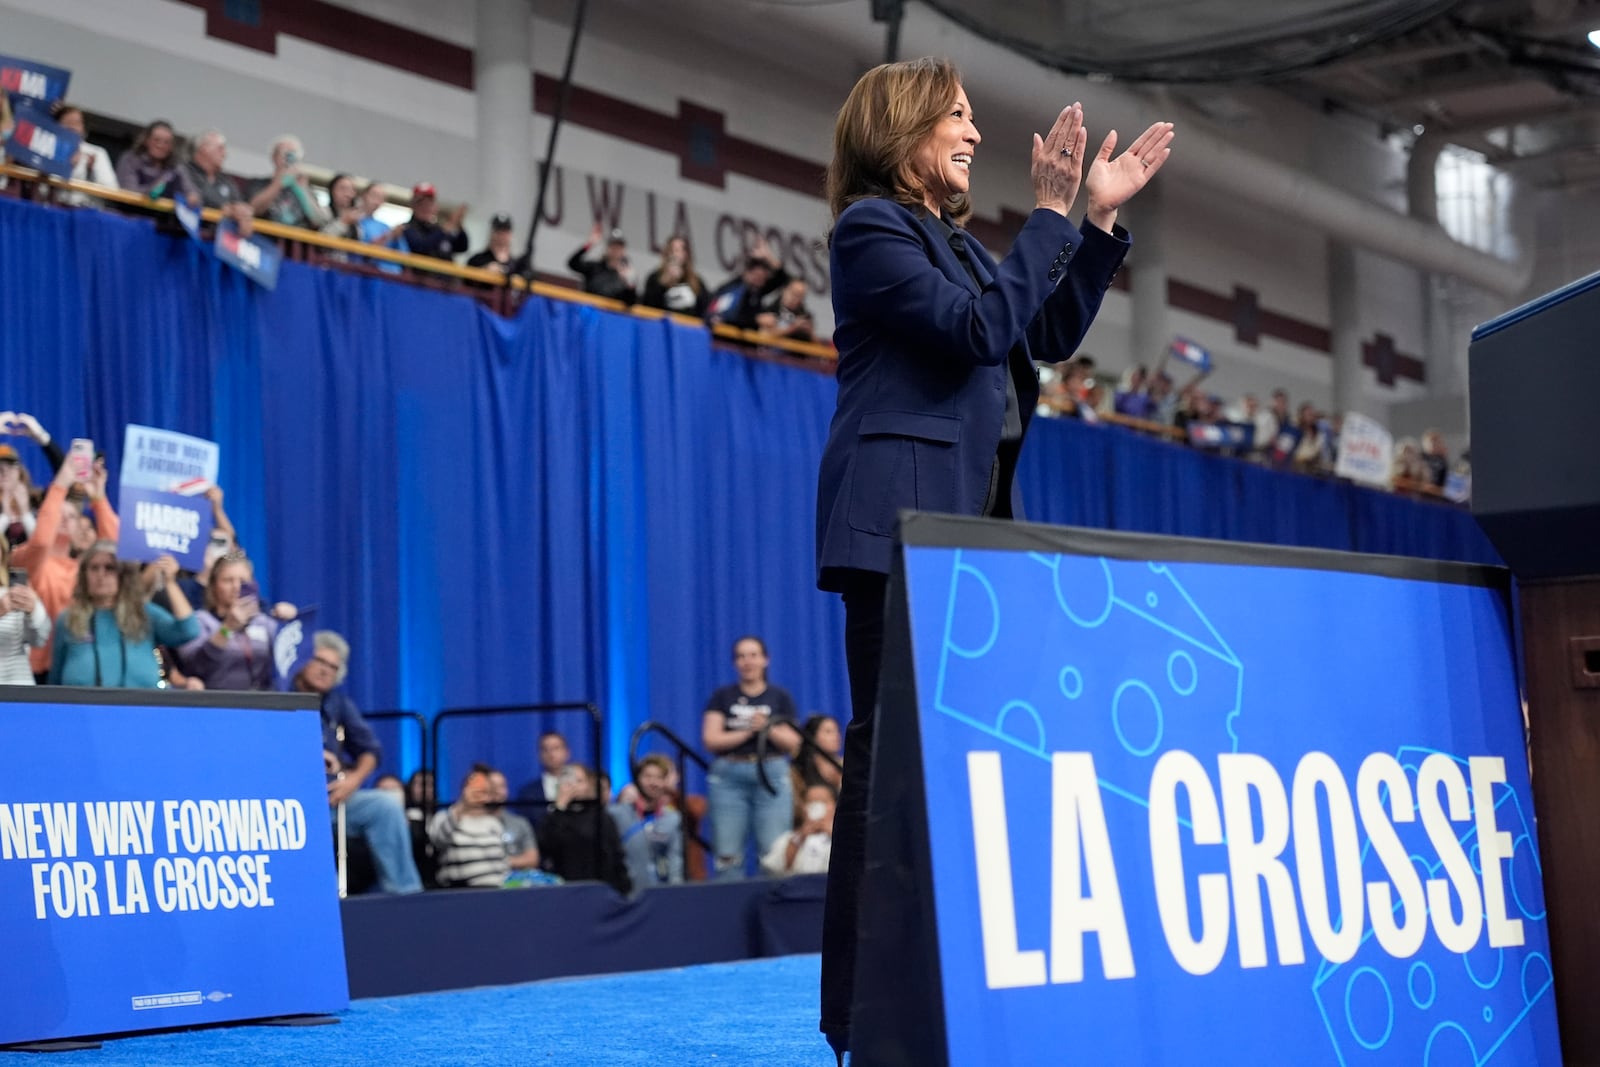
{"x":923,"y":358}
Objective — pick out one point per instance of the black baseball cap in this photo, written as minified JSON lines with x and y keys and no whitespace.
{"x":501,"y":221}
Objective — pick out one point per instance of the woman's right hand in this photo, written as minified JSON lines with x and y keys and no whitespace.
{"x":1058,"y":161}
{"x":244,"y":609}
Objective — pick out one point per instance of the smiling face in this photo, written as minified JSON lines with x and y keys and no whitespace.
{"x":943,"y":164}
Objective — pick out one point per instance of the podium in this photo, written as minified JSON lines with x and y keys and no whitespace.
{"x":1536,"y":493}
{"x":1148,"y":800}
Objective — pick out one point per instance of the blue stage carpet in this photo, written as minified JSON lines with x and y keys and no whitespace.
{"x":760,"y":1013}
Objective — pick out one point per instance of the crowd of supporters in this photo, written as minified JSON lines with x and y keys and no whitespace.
{"x":73,"y":613}
{"x":761,"y":297}
{"x":1278,"y":433}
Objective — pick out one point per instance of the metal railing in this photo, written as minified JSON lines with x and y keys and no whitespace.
{"x":402,"y":715}
{"x":597,"y":737}
{"x":808,"y":744}
{"x":686,"y":754}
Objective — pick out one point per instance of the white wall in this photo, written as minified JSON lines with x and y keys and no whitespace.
{"x":136,"y":59}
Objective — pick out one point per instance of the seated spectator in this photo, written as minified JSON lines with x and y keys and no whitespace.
{"x":151,"y":165}
{"x":498,"y":255}
{"x":344,"y":209}
{"x":650,"y":826}
{"x":24,"y":626}
{"x":786,"y":313}
{"x":420,"y":795}
{"x":738,"y":301}
{"x":425,"y":235}
{"x":374,"y":815}
{"x":610,"y":275}
{"x":1435,"y":459}
{"x":373,"y":231}
{"x":806,"y":849}
{"x":675,"y":286}
{"x":108,"y":634}
{"x":62,"y":535}
{"x":90,"y":163}
{"x":554,"y":755}
{"x":469,"y":837}
{"x":522,"y":850}
{"x":286,"y":197}
{"x":567,"y":835}
{"x":204,"y":171}
{"x":17,"y":518}
{"x":233,"y":648}
{"x":821,"y":735}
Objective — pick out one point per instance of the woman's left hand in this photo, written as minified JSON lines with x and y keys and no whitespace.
{"x":1111,"y":183}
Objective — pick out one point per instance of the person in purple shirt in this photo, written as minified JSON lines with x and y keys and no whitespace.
{"x":234,"y":649}
{"x":151,"y":165}
{"x":350,"y":753}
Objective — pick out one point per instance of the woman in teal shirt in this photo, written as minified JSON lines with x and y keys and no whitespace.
{"x":109,"y":633}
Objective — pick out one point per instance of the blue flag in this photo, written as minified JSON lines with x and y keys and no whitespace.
{"x":292,"y":648}
{"x":1186,"y":351}
{"x":37,"y":141}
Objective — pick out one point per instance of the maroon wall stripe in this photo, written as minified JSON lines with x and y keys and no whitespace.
{"x":706,"y":151}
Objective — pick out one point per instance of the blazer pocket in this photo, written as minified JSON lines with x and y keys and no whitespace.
{"x":904,"y":459}
{"x":921,"y":425}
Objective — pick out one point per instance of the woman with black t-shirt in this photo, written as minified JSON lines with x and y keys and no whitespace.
{"x":736,"y":795}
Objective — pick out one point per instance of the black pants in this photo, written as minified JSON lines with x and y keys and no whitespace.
{"x":863,"y":649}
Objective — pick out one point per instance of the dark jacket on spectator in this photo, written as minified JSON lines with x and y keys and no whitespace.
{"x":339,"y":710}
{"x":682,"y":297}
{"x":485,"y":260}
{"x":216,"y":192}
{"x":138,"y":174}
{"x":432,"y":239}
{"x":600,"y":279}
{"x":566,"y":846}
{"x":738,"y":304}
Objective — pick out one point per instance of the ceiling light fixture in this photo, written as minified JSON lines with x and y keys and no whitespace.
{"x":1594,"y":38}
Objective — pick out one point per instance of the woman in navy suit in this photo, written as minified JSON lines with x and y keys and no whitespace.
{"x":937,"y":345}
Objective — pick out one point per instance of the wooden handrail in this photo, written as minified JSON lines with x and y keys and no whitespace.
{"x":425,"y":264}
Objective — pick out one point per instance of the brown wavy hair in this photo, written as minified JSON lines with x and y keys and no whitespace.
{"x":885,"y":119}
{"x":132,"y":619}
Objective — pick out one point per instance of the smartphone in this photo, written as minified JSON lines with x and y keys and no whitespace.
{"x":19,"y":576}
{"x":80,"y":459}
{"x":249,"y":591}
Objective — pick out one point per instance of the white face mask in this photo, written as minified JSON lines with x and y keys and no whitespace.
{"x":816,"y":810}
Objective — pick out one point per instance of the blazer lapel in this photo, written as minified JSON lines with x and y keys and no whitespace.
{"x":944,"y":257}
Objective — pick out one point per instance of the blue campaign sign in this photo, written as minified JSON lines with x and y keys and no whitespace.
{"x":158,"y":495}
{"x":156,"y":524}
{"x":1196,"y":803}
{"x":254,"y":258}
{"x":38,"y":141}
{"x":145,"y":884}
{"x":28,"y":80}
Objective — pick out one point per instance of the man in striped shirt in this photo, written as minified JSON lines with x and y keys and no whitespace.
{"x":469,"y":837}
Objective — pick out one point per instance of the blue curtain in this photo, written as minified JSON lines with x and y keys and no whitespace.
{"x":567,"y":505}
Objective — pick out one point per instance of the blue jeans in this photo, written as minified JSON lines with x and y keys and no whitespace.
{"x":739,"y":803}
{"x":380,"y":818}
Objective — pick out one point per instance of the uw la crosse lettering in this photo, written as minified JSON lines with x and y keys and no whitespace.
{"x":1450,"y":799}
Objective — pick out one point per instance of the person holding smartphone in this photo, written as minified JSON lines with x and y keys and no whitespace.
{"x":65,"y":530}
{"x":234,"y":647}
{"x":24,"y":624}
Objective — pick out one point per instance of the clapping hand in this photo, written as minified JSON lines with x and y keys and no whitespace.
{"x":158,"y":573}
{"x":1058,"y":161}
{"x":1111,"y":183}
